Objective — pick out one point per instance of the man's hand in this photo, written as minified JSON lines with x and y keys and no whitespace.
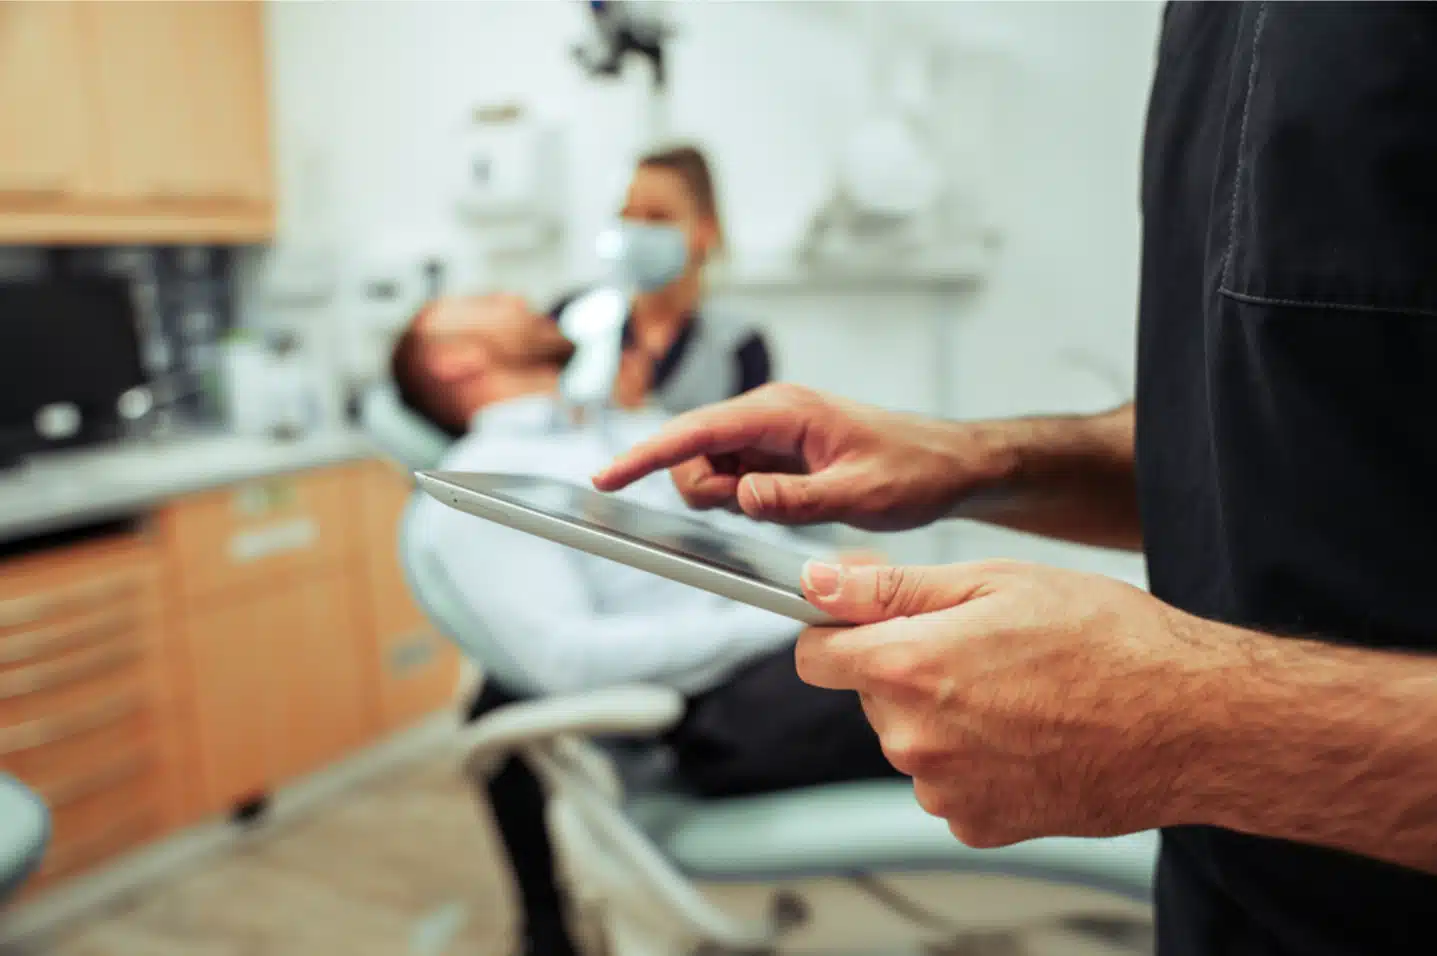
{"x":790,"y":455}
{"x":1024,"y":701}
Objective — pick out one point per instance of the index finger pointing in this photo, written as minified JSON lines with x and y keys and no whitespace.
{"x":715,"y":430}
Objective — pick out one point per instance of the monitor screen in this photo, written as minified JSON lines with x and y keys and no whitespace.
{"x":69,"y":341}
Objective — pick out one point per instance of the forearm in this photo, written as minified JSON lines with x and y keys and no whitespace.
{"x":1069,"y":478}
{"x":1333,"y":746}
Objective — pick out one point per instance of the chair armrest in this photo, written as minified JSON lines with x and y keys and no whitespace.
{"x":638,"y":709}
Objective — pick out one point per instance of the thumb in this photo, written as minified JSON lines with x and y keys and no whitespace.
{"x":791,"y":499}
{"x":867,"y":594}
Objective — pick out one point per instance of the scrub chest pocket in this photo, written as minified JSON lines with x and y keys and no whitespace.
{"x":1331,"y":198}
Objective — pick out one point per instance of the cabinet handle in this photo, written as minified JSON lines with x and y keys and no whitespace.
{"x":118,"y":835}
{"x":51,"y":674}
{"x":44,"y":641}
{"x":49,"y":730}
{"x":109,"y":774}
{"x":37,"y":607}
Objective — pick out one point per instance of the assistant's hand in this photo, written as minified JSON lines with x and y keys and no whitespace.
{"x":1024,"y":701}
{"x":791,"y":455}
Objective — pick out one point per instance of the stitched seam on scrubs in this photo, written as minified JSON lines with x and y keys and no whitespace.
{"x":1242,"y":146}
{"x":1323,"y":304}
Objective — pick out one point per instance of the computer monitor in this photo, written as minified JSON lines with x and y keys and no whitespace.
{"x":65,"y":344}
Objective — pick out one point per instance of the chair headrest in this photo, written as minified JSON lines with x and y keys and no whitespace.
{"x":399,"y":433}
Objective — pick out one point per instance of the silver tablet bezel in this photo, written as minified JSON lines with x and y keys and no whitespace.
{"x":605,"y":544}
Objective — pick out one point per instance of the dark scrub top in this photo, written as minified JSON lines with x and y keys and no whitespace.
{"x":746,"y":366}
{"x":1287,"y":444}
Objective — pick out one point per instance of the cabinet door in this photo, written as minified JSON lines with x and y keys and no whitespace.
{"x":417,"y":667}
{"x":180,"y":91}
{"x":230,"y":654}
{"x":43,"y":109}
{"x":320,"y":689}
{"x":279,"y":685}
{"x":231,"y":143}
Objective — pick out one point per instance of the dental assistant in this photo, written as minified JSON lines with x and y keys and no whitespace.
{"x":680,"y":349}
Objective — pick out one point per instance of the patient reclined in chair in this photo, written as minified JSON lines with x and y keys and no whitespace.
{"x":568,"y":621}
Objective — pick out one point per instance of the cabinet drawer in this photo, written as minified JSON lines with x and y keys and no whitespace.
{"x":87,"y":812}
{"x":37,"y":603}
{"x":65,"y":757}
{"x":68,"y":686}
{"x":97,"y":839}
{"x":262,"y":530}
{"x":86,"y":630}
{"x":23,"y":741}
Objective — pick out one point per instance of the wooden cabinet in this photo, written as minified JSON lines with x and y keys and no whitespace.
{"x":180,"y":102}
{"x":134,"y":121}
{"x":44,"y":112}
{"x":280,"y":686}
{"x":262,"y":531}
{"x":251,"y":635}
{"x":87,"y":715}
{"x":417,"y":667}
{"x":279,"y":652}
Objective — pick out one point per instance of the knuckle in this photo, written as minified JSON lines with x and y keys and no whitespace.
{"x":999,"y":567}
{"x":887,"y":586}
{"x":911,"y":754}
{"x":783,"y":393}
{"x":971,"y":834}
{"x":787,"y":390}
{"x":934,"y":800}
{"x":805,"y":654}
{"x":893,"y":668}
{"x":898,"y":590}
{"x":795,"y":497}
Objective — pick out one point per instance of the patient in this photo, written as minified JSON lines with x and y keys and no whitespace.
{"x":571,"y":622}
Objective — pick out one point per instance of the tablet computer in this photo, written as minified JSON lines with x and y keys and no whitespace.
{"x":673,"y":546}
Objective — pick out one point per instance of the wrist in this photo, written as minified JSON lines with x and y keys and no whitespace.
{"x":1068,"y":477}
{"x":1282,"y":737}
{"x":1182,"y":730}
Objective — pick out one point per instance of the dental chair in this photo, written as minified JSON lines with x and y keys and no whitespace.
{"x":24,"y":834}
{"x":837,"y":868}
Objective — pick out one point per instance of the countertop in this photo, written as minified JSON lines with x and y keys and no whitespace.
{"x":67,"y":489}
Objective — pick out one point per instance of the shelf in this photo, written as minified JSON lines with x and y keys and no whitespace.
{"x":966,"y":265}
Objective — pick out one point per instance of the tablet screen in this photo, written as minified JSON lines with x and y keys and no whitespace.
{"x":687,"y":537}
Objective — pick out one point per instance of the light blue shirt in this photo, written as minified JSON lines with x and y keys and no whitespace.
{"x":568,"y":620}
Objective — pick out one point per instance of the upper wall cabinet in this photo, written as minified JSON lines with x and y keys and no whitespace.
{"x":134,"y":122}
{"x":44,"y":114}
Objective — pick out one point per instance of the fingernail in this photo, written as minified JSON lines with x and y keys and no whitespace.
{"x":752,"y":482}
{"x":823,"y":580}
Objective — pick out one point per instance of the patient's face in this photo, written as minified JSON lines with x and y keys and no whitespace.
{"x":487,"y":334}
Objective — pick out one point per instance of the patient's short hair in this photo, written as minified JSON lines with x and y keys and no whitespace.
{"x":433,"y":400}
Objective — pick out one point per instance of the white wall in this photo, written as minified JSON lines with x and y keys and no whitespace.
{"x":369,"y":94}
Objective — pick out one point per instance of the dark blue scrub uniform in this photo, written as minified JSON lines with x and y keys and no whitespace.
{"x":1287,"y":444}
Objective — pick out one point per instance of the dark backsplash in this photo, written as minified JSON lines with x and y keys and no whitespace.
{"x":184,"y":307}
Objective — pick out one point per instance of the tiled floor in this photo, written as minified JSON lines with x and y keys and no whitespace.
{"x":399,"y":868}
{"x":404,"y":866}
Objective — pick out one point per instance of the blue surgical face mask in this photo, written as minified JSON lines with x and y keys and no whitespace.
{"x":645,"y":256}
